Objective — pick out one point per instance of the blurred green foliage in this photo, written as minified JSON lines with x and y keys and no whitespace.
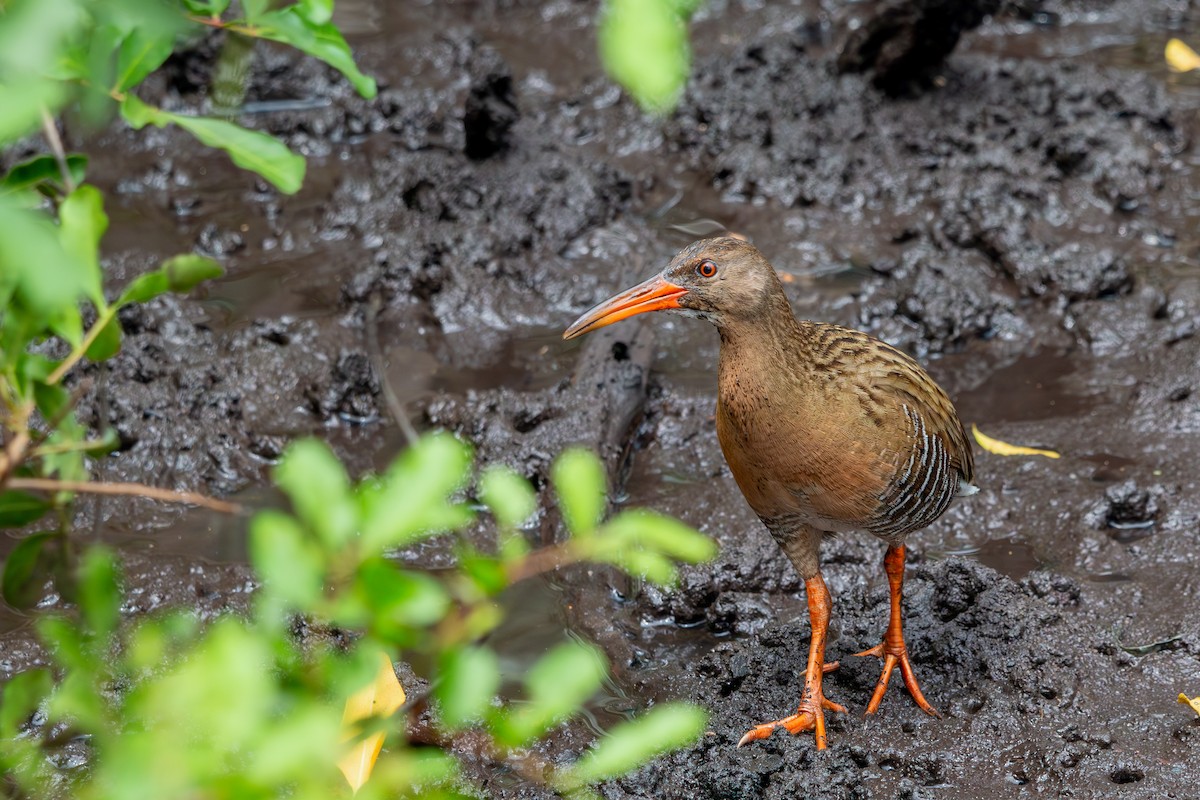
{"x":166,"y":707}
{"x":238,"y":708}
{"x":83,"y":60}
{"x":644,"y":46}
{"x":88,"y":57}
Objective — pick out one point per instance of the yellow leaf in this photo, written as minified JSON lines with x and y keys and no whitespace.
{"x":380,"y":698}
{"x":1005,"y":449}
{"x":1193,"y":702}
{"x":1180,"y":57}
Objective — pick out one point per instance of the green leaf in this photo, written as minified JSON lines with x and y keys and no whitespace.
{"x":487,"y":573}
{"x":23,"y":104}
{"x":155,"y":641}
{"x":64,"y":640}
{"x":48,"y":280}
{"x":319,"y":490}
{"x":82,"y":222}
{"x":301,"y":27}
{"x":67,"y":323}
{"x":177,"y":274}
{"x":643,"y":44}
{"x":139,"y":114}
{"x":41,"y":172}
{"x":508,"y":495}
{"x":318,"y":12}
{"x":301,"y":746}
{"x":34,"y":33}
{"x":23,"y":694}
{"x":143,"y":51}
{"x":107,"y":343}
{"x":401,"y":600}
{"x":255,"y":8}
{"x":556,"y":687}
{"x":51,"y":401}
{"x":66,"y":464}
{"x":31,"y":563}
{"x":77,"y":698}
{"x":579,"y":482}
{"x":468,"y":678}
{"x":631,"y":744}
{"x":652,"y":531}
{"x":250,"y":150}
{"x":411,"y":500}
{"x":652,"y":566}
{"x":291,"y":566}
{"x":20,"y":508}
{"x":99,"y":593}
{"x":213,"y":8}
{"x":217,"y":700}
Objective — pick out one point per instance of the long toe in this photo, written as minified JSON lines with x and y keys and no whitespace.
{"x":802,"y":721}
{"x":891,"y":660}
{"x":910,"y":681}
{"x":809,"y":717}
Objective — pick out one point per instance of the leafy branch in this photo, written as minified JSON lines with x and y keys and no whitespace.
{"x":263,"y":714}
{"x":88,"y":58}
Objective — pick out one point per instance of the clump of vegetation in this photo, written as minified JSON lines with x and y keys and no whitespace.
{"x":240,"y":707}
{"x":85,"y":59}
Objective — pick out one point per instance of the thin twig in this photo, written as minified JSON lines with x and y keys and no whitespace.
{"x":17,"y":449}
{"x":547,"y":559}
{"x":395,"y":407}
{"x":102,"y":419}
{"x":69,"y":447}
{"x":50,"y":129}
{"x":127,"y":489}
{"x":78,"y":352}
{"x":14,"y":451}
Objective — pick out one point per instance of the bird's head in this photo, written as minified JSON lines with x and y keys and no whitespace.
{"x":724,"y":281}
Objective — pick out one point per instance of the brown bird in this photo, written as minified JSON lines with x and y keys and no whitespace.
{"x":825,"y":429}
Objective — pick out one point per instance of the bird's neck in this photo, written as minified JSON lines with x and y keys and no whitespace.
{"x":770,"y":340}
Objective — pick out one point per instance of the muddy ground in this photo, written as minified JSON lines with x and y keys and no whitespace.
{"x":1022,"y":220}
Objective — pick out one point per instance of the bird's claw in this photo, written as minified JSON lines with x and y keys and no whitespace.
{"x":809,"y":716}
{"x":893,"y":656}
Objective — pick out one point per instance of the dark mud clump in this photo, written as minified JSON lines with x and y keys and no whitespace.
{"x":901,"y":41}
{"x":1016,"y":711}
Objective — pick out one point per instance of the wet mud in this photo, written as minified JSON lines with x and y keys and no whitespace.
{"x":1021,"y":219}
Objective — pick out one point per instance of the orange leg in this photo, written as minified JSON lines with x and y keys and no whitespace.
{"x":892,"y":649}
{"x":811,"y":714}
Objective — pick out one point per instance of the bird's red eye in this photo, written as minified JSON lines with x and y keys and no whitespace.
{"x":706,"y":269}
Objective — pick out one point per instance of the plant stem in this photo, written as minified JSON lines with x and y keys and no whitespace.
{"x":56,"y":146}
{"x":126,"y":489}
{"x":14,"y":452}
{"x":67,"y":447}
{"x":376,"y":355}
{"x":77,"y":353}
{"x":547,"y":559}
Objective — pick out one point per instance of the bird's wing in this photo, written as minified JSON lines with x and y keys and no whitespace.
{"x":893,"y":380}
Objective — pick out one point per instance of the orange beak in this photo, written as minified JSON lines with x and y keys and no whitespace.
{"x":656,"y":294}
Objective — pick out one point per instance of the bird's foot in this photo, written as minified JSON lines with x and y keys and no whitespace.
{"x":810,"y":716}
{"x":892,"y":656}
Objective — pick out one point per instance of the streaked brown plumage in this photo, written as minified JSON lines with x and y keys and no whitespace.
{"x":825,"y":429}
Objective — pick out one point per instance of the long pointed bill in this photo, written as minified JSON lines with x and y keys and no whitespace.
{"x":656,"y":294}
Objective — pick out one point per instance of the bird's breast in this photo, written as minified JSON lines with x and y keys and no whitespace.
{"x":796,"y":461}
